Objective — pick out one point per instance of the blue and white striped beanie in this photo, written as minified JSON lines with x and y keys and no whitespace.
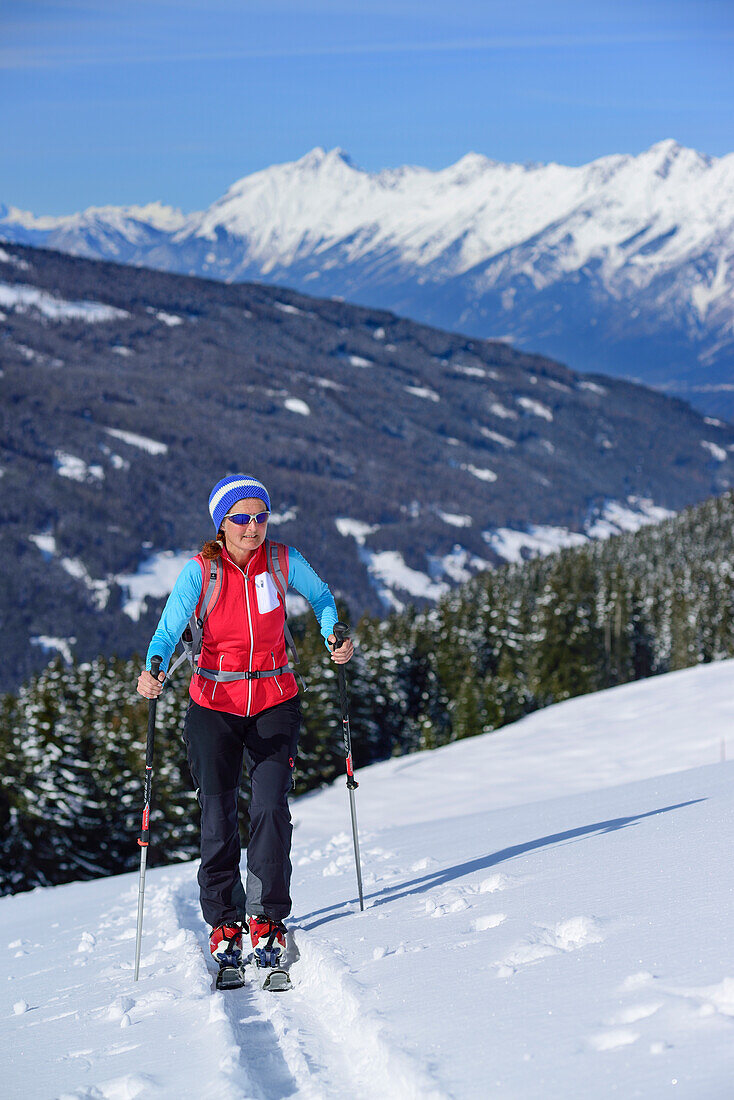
{"x":231,"y":489}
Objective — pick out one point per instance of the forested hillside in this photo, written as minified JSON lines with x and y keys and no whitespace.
{"x":400,"y":460}
{"x":503,"y":645}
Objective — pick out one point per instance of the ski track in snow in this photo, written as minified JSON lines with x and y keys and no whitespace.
{"x":314,"y":1041}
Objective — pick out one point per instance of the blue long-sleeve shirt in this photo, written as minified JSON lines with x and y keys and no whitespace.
{"x":182,"y":602}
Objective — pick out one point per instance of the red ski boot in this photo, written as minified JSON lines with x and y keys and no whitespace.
{"x":268,"y":940}
{"x":225,"y":944}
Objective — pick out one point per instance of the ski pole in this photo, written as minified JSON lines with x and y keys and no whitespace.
{"x":341,"y":631}
{"x":155,"y":667}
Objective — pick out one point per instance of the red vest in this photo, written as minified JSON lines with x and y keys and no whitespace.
{"x":244,"y":632}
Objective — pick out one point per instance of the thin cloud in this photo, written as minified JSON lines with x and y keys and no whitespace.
{"x":25,"y":58}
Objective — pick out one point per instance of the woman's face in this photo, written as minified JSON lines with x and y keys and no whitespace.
{"x":245,"y":537}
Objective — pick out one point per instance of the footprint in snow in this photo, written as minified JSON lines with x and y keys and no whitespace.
{"x":636,"y":981}
{"x":613,"y":1040}
{"x":397,"y":949}
{"x":494,"y":920}
{"x":448,"y":906}
{"x":119,"y":1008}
{"x":129,"y":1087}
{"x":563,"y":937}
{"x":337,"y":866}
{"x":712,"y":1000}
{"x":494,"y":883}
{"x":635,"y":1013}
{"x":424,"y":864}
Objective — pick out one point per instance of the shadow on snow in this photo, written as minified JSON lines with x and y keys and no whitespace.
{"x":483,"y":863}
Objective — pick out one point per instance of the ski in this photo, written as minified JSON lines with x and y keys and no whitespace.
{"x":277,"y":981}
{"x":230,"y":977}
{"x":273,"y":979}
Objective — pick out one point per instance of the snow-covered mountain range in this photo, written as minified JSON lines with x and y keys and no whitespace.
{"x":548,"y":914}
{"x":624,"y":265}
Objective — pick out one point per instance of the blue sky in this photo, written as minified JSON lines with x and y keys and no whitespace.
{"x":121,"y":101}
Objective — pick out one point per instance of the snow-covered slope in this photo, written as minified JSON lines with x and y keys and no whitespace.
{"x":531,"y":930}
{"x":592,"y":264}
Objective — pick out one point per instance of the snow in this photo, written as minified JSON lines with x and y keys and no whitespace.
{"x":422,"y":391}
{"x":355,"y":528}
{"x":14,"y":261}
{"x":155,"y":577}
{"x":24,"y":298}
{"x":516,"y":546}
{"x":455,"y":520}
{"x":592,"y":387}
{"x":359,"y":361}
{"x":535,"y":408}
{"x":612,"y":518}
{"x":169,"y":319}
{"x":497,"y":438}
{"x":152,"y":446}
{"x":552,"y":901}
{"x":390,"y":570}
{"x":482,"y":473}
{"x":473,"y":372}
{"x":459,"y":564}
{"x":714,"y":450}
{"x":68,"y":465}
{"x":45,"y":543}
{"x":616,"y":517}
{"x":294,"y":404}
{"x":640,"y":221}
{"x":502,"y":412}
{"x":60,"y":645}
{"x":283,"y":517}
{"x":100,"y":590}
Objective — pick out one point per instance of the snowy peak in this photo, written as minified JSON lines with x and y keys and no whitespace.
{"x":622,"y":265}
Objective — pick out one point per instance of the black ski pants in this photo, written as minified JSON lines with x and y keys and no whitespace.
{"x":216,"y":744}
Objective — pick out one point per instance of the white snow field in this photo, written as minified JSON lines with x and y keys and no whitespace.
{"x":548,"y":915}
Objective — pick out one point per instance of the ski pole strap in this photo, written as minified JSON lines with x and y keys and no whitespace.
{"x":177,"y":663}
{"x":228,"y":677}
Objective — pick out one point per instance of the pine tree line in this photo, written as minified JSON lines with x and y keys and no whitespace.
{"x":72,"y":741}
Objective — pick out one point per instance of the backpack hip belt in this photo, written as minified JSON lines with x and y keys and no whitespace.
{"x":228,"y":677}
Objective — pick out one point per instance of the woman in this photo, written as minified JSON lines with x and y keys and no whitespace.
{"x":244,"y":703}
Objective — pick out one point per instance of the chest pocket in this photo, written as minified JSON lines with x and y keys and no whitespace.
{"x":267,"y":593}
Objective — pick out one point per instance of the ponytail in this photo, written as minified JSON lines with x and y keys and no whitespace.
{"x":213,"y":549}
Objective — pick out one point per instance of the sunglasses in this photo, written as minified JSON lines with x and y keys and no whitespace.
{"x":242,"y":518}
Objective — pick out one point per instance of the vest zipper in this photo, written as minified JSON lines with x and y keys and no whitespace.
{"x":245,"y":577}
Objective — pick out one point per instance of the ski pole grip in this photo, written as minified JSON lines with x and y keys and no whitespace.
{"x":340,"y":632}
{"x":155,"y":668}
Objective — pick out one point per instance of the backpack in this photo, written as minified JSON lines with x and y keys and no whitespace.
{"x":275,"y":557}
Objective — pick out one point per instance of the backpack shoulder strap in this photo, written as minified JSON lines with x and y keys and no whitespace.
{"x":211,"y":587}
{"x":276,"y":554}
{"x":277,"y":559}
